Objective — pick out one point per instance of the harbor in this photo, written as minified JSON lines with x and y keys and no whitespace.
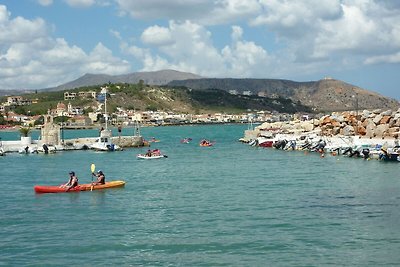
{"x":229,"y":203}
{"x":52,"y":139}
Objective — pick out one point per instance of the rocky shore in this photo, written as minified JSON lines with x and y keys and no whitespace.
{"x":365,"y":124}
{"x":367,"y":134}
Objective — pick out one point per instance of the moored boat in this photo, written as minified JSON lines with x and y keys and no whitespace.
{"x":104,"y":143}
{"x":81,"y":187}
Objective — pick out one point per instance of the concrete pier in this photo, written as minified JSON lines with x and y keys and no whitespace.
{"x":72,"y":144}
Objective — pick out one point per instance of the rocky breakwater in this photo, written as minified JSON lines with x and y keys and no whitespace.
{"x":370,"y":124}
{"x":376,"y":124}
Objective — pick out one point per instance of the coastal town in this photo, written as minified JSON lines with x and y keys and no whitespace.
{"x":339,"y":132}
{"x":75,"y":117}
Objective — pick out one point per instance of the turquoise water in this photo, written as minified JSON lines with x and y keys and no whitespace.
{"x":227,"y":205}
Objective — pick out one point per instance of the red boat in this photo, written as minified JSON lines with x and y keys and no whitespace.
{"x":268,"y":143}
{"x":81,"y":187}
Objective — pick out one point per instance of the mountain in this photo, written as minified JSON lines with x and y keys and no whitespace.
{"x":152,"y":78}
{"x":324,"y":95}
{"x":8,"y":92}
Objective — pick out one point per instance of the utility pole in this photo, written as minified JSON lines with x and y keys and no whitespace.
{"x":356,"y":106}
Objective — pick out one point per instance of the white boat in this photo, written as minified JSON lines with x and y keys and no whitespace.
{"x":2,"y":153}
{"x":27,"y":150}
{"x":144,"y":156}
{"x":152,"y":154}
{"x":47,"y":149}
{"x":104,"y":143}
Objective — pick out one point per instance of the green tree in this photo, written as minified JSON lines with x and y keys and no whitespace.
{"x":87,"y":110}
{"x":141,"y":84}
{"x":21,"y":110}
{"x":25,"y":131}
{"x":2,"y":120}
{"x":60,"y":119}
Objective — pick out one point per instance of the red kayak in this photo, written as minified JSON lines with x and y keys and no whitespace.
{"x":81,"y":187}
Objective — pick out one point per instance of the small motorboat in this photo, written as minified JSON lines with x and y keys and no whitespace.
{"x":27,"y":150}
{"x":152,"y":154}
{"x":104,"y":143}
{"x":47,"y":149}
{"x":205,"y":142}
{"x":144,"y":156}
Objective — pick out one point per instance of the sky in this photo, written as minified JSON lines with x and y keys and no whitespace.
{"x":45,"y":43}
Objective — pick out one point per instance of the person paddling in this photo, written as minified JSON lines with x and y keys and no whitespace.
{"x":72,"y":182}
{"x":101,"y":178}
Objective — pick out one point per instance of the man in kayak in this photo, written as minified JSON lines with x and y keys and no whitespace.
{"x":101,"y":178}
{"x":72,"y":182}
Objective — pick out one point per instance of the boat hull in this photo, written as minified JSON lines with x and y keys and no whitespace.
{"x":81,"y":187}
{"x":141,"y":156}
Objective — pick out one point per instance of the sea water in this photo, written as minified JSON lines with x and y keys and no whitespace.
{"x":226,"y":205}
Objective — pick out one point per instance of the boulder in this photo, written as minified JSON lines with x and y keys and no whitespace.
{"x":367,"y":122}
{"x":381,"y":130}
{"x":326,"y":120}
{"x":366,"y":113}
{"x":348,"y":130}
{"x":387,"y":113}
{"x":385,"y":119}
{"x":393,"y":131}
{"x":307,"y":126}
{"x":361,"y":130}
{"x":336,"y":130}
{"x":377,"y":119}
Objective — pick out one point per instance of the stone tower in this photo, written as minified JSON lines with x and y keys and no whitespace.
{"x":50,"y":132}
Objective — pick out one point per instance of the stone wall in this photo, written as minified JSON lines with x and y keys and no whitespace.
{"x":376,"y":123}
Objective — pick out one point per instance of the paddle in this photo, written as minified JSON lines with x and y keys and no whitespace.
{"x":92,"y":168}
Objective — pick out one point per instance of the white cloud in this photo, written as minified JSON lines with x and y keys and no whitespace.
{"x":174,"y":9}
{"x":393,"y":58}
{"x":156,"y":35}
{"x":237,"y":33}
{"x":19,"y":29}
{"x":80,"y":3}
{"x":193,"y":51}
{"x":283,"y":16}
{"x":205,"y":12}
{"x":45,"y":2}
{"x":31,"y":58}
{"x":334,"y":31}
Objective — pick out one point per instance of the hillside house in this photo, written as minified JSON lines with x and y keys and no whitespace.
{"x":17,"y":101}
{"x":87,"y":94}
{"x":80,"y":121}
{"x":247,"y":92}
{"x":69,"y":96}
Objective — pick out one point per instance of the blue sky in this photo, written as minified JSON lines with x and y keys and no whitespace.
{"x":45,"y":43}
